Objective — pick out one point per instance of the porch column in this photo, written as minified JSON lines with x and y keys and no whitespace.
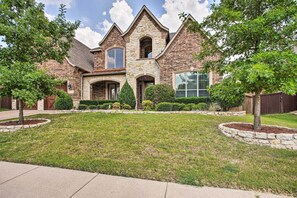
{"x":13,"y":104}
{"x":86,"y":90}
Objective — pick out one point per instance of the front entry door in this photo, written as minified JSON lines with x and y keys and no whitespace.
{"x":141,"y":86}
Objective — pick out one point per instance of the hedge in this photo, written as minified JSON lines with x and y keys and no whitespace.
{"x":194,"y":100}
{"x":96,"y":102}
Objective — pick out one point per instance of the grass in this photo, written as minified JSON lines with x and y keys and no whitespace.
{"x":181,"y":148}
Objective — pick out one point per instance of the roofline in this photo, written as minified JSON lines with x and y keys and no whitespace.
{"x":177,"y":33}
{"x":106,"y":73}
{"x":114,"y":25}
{"x":98,"y":49}
{"x":73,"y":65}
{"x":144,"y":8}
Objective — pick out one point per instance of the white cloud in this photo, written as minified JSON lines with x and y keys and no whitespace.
{"x":104,"y":13}
{"x":50,"y":16}
{"x":57,"y":2}
{"x":105,"y":26}
{"x":175,"y":7}
{"x":88,"y":37}
{"x":122,"y":14}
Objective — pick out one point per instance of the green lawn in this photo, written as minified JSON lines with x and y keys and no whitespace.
{"x":181,"y":148}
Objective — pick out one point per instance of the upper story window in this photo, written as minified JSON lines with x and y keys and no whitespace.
{"x":146,"y":47}
{"x":191,"y":84}
{"x":115,"y":58}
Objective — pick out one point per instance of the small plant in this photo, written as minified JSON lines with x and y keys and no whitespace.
{"x":83,"y":107}
{"x":177,"y":106}
{"x":99,"y":107}
{"x":116,"y":105}
{"x":92,"y":107}
{"x":63,"y":101}
{"x":214,"y":107}
{"x":201,"y":106}
{"x":107,"y":106}
{"x":159,"y":93}
{"x":127,"y":95}
{"x":164,"y":106}
{"x":187,"y":108}
{"x":148,"y":105}
{"x":126,"y":107}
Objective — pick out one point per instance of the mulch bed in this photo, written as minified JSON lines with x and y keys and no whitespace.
{"x":27,"y":122}
{"x":264,"y":129}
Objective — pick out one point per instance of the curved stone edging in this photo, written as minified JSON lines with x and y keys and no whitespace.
{"x":281,"y":140}
{"x":14,"y":128}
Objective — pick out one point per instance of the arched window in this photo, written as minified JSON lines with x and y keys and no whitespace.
{"x":146,"y":48}
{"x":115,"y":58}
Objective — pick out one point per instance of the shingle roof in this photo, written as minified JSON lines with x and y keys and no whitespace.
{"x":80,"y":56}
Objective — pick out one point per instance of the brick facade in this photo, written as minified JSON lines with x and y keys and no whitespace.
{"x":179,"y":57}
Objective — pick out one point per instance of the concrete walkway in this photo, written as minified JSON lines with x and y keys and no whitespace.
{"x":21,"y":180}
{"x":5,"y":115}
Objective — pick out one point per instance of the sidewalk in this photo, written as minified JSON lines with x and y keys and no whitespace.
{"x":5,"y":115}
{"x":21,"y":180}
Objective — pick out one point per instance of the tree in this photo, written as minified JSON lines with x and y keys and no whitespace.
{"x":31,"y":39}
{"x":159,"y":93}
{"x":227,"y":94}
{"x":257,"y":40}
{"x":127,"y":96}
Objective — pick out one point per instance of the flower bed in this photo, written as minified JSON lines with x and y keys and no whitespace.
{"x":12,"y":126}
{"x":273,"y":136}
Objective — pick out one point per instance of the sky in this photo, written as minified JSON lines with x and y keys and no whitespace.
{"x":97,"y":16}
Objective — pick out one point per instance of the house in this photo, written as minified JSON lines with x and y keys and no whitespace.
{"x":145,"y":54}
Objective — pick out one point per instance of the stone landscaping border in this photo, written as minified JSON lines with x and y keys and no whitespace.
{"x":217,"y":113}
{"x":14,"y":128}
{"x":280,"y":140}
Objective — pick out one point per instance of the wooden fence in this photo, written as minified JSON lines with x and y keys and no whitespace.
{"x":272,"y":103}
{"x":5,"y":102}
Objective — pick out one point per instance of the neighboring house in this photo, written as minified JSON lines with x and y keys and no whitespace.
{"x":145,"y":54}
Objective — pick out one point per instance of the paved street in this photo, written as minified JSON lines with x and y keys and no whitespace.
{"x":29,"y":181}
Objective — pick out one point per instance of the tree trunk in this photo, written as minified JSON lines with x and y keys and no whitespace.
{"x":21,"y":112}
{"x":257,"y":111}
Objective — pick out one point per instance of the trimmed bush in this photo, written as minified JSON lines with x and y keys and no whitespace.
{"x":107,"y":106}
{"x":164,"y":106}
{"x":187,"y":108}
{"x":227,"y":94}
{"x":99,"y":107}
{"x":177,"y":106}
{"x":159,"y":93}
{"x":83,"y":107}
{"x":194,"y":100}
{"x":63,"y":101}
{"x":126,"y":106}
{"x":96,"y":102}
{"x":214,"y":107}
{"x":127,"y":95}
{"x":92,"y":107}
{"x":147,"y":105}
{"x":201,"y":106}
{"x":116,"y":105}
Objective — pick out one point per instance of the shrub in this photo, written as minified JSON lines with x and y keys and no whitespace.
{"x":201,"y":106}
{"x":116,"y":105}
{"x":96,"y":102}
{"x":214,"y":107}
{"x":227,"y":94}
{"x":148,"y":105}
{"x":126,"y":106}
{"x":92,"y":107}
{"x":177,"y":106}
{"x":186,"y":108}
{"x":164,"y":106}
{"x":107,"y":106}
{"x":83,"y":107}
{"x":63,"y":101}
{"x":159,"y":93}
{"x":194,"y":100}
{"x":99,"y":107}
{"x":127,"y":95}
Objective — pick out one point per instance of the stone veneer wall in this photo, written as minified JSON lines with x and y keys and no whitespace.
{"x":136,"y":67}
{"x":66,"y":72}
{"x":283,"y":140}
{"x":114,"y":39}
{"x":179,"y":57}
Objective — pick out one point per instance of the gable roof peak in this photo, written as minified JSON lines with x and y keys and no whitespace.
{"x":145,"y":9}
{"x":114,"y":25}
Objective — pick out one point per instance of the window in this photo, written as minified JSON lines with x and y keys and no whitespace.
{"x":191,"y":84}
{"x":115,"y":58}
{"x":146,"y":47}
{"x":113,"y":91}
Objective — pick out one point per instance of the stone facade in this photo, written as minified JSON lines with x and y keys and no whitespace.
{"x":285,"y":141}
{"x":66,"y":72}
{"x":179,"y":57}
